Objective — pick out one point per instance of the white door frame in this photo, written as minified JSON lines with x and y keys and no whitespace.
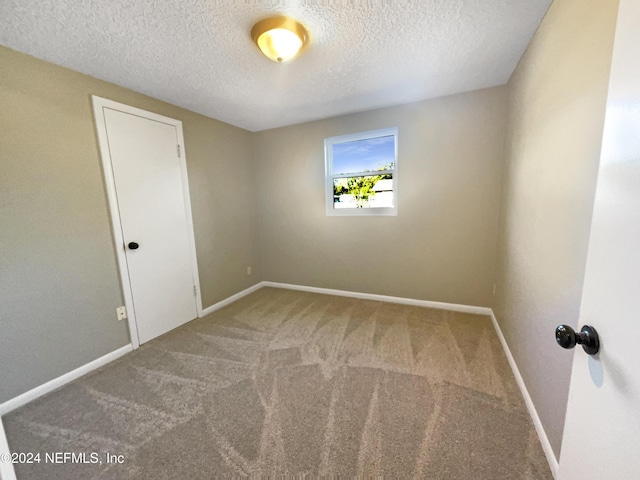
{"x":101,"y":129}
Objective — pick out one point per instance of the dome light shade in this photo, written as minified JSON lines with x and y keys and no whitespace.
{"x":279,"y":38}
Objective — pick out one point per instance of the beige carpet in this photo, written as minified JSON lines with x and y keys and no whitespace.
{"x":293,"y":383}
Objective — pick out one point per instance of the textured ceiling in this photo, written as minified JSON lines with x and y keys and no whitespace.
{"x":198,"y":54}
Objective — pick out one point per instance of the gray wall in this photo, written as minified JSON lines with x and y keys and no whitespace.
{"x":557,"y":99}
{"x":59,"y":285}
{"x":442,"y":244}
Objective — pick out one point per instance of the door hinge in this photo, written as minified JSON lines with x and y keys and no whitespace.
{"x":195,"y":292}
{"x":178,"y":149}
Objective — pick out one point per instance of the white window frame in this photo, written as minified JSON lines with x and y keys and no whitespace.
{"x":329,"y":176}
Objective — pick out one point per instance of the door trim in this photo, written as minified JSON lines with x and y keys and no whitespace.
{"x":99,"y":104}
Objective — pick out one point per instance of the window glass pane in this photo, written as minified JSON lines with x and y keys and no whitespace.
{"x":371,"y":191}
{"x":366,"y":155}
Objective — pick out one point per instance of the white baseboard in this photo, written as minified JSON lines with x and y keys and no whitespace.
{"x":6,"y":468}
{"x":544,"y":440}
{"x":383,"y":298}
{"x":231,"y":299}
{"x":51,"y":385}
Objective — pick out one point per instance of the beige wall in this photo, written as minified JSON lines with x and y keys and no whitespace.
{"x":442,"y":244}
{"x":557,"y":101}
{"x":59,"y":285}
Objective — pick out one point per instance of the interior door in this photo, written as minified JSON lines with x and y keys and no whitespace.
{"x":602,"y":430}
{"x":6,"y":468}
{"x":145,"y":162}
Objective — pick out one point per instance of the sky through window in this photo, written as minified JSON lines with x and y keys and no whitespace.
{"x":363,"y":155}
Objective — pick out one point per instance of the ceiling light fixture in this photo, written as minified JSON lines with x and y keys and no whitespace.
{"x":280,"y":38}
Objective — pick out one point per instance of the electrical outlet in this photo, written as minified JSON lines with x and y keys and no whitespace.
{"x":248,"y":270}
{"x":121,"y":312}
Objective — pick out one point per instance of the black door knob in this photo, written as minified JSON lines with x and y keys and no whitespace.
{"x":587,"y":337}
{"x":133,"y":245}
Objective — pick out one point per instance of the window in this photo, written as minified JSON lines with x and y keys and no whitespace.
{"x":361,"y":173}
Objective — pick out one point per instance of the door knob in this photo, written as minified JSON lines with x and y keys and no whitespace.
{"x":587,"y":337}
{"x":133,"y":245}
